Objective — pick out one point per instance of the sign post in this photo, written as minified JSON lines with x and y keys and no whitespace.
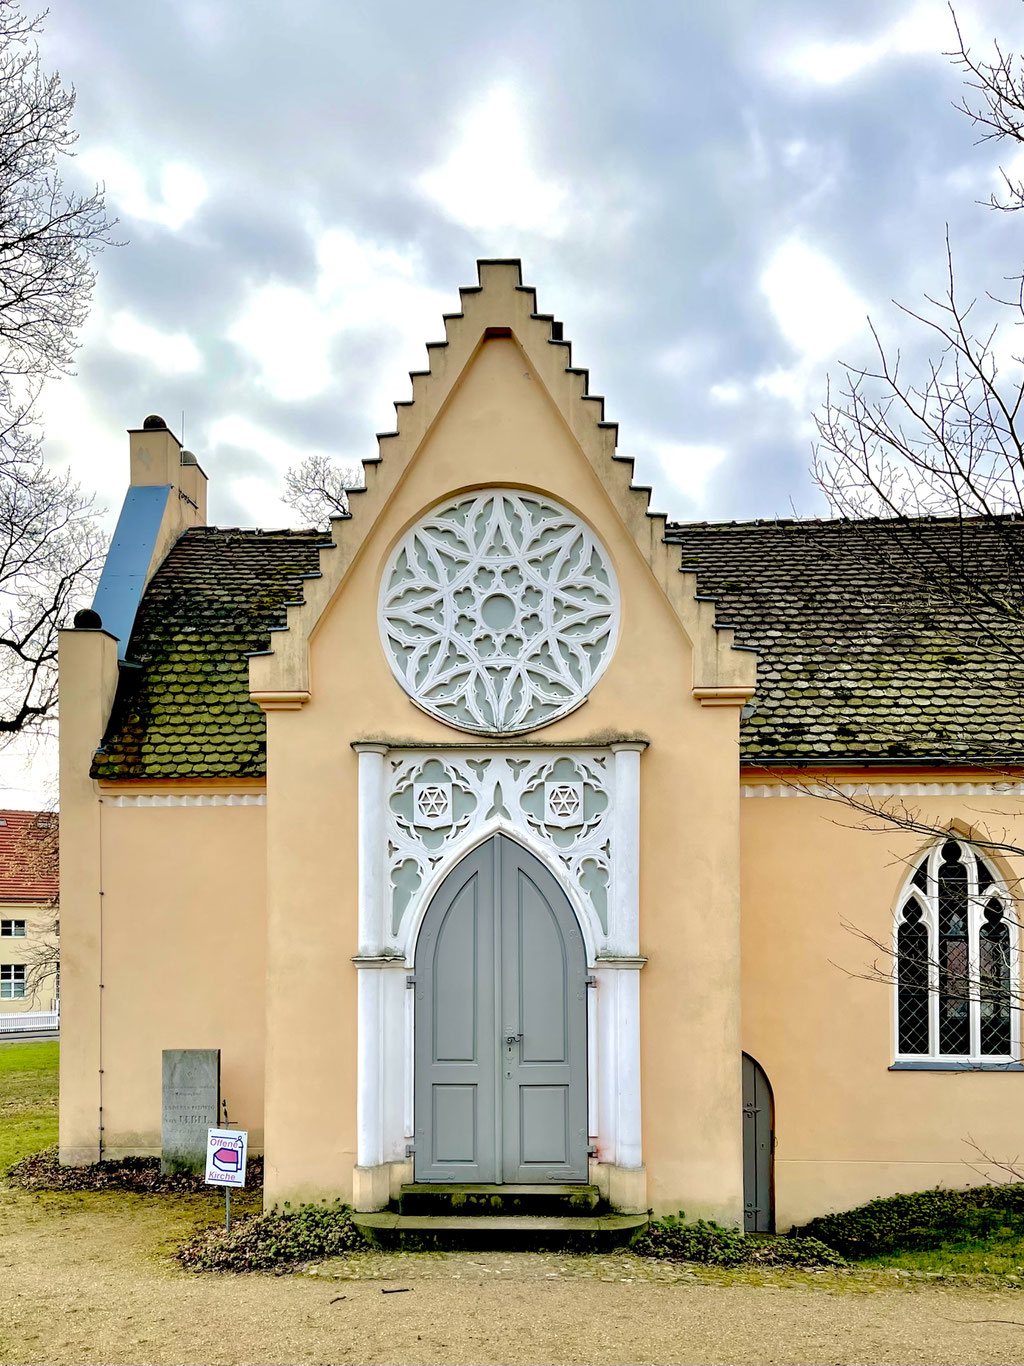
{"x":226,"y":1151}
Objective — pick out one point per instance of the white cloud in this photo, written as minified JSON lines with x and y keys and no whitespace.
{"x":76,"y":435}
{"x":28,"y":772}
{"x":921,"y":29}
{"x":686,"y":466}
{"x":726,"y":392}
{"x":287,"y":333}
{"x":680,"y":359}
{"x":360,"y":288}
{"x":181,"y":188}
{"x":489,"y":179}
{"x":1008,"y":350}
{"x":258,"y":494}
{"x":789,"y":383}
{"x":241,"y":432}
{"x":1009,"y":169}
{"x":813,"y":306}
{"x":173,"y":353}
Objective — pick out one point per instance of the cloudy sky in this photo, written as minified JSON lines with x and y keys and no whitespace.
{"x":713,"y":195}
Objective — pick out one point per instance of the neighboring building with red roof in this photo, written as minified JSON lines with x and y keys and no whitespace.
{"x":29,"y":967}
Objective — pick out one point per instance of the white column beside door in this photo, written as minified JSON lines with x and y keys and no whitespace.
{"x":375,"y":987}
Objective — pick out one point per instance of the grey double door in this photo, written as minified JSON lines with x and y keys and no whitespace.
{"x":500,"y":1026}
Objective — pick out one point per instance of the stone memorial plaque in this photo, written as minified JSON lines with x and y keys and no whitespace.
{"x":191,"y":1103}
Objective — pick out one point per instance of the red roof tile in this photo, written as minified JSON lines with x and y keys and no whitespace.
{"x":28,"y":856}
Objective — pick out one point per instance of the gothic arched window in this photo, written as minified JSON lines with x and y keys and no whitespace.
{"x":956,"y":961}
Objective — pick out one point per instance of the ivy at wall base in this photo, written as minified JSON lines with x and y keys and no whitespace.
{"x":925,"y":1219}
{"x":673,"y":1239}
{"x":281,"y":1238}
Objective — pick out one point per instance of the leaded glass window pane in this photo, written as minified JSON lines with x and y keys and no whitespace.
{"x":912,"y":971}
{"x":986,"y":877}
{"x":955,"y":963}
{"x":994,"y":980}
{"x":954,"y":954}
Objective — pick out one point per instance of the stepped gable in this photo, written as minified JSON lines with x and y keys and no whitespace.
{"x":501,"y":306}
{"x":854,"y":662}
{"x":183,"y":708}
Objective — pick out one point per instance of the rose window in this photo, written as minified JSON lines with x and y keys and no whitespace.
{"x":499,"y":612}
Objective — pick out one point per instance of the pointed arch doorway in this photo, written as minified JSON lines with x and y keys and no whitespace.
{"x":758,"y":1149}
{"x":500,"y":1052}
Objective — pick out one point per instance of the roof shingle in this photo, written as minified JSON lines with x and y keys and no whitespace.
{"x":184,"y":711}
{"x":857,"y":660}
{"x":852,"y":664}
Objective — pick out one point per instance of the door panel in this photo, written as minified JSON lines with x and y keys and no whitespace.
{"x":455,"y":1126}
{"x":758,"y":1149}
{"x":456,"y":1012}
{"x":543,"y":1124}
{"x":544,"y":1002}
{"x":501,"y":1026}
{"x":456,"y":1048}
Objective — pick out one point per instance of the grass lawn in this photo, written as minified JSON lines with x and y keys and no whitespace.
{"x":1000,"y":1256}
{"x":28,"y":1098}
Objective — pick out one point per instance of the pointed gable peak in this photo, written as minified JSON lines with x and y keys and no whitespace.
{"x":499,"y":307}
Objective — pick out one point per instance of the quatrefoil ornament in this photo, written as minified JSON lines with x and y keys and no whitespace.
{"x":499,"y":612}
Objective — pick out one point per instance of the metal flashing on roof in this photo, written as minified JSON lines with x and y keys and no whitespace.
{"x":123,"y":580}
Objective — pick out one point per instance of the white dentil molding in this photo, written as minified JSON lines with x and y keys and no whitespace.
{"x":167,"y":799}
{"x":870,"y":787}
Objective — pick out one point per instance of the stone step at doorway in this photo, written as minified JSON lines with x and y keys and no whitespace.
{"x":500,"y":1233}
{"x":436,"y":1198}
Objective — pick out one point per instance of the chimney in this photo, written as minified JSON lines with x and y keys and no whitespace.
{"x":166,"y":497}
{"x":156,"y":457}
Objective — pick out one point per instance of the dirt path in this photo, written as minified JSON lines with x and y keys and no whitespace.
{"x":85,"y":1280}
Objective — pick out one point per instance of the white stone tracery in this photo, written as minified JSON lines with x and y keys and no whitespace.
{"x":499,"y":611}
{"x":438,"y":806}
{"x":420,"y":811}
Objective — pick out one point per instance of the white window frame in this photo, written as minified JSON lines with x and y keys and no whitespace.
{"x":9,"y":981}
{"x":977,"y":900}
{"x":13,"y":932}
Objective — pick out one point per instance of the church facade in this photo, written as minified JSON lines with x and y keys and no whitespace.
{"x":488,"y":835}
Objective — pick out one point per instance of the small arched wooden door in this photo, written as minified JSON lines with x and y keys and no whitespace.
{"x":500,"y":1025}
{"x":758,"y":1149}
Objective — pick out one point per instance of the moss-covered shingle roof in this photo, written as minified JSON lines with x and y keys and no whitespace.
{"x":862,"y":653}
{"x":185,"y":711}
{"x":853,"y":664}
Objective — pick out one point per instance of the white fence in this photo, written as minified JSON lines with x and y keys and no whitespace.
{"x":29,"y":1021}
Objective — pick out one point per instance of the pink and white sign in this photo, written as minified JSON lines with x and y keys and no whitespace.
{"x":225,"y":1157}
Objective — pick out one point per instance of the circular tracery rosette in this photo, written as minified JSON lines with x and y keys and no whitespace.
{"x":499,"y":612}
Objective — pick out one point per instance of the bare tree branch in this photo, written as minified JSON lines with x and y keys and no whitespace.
{"x":49,"y":236}
{"x":318,"y":489}
{"x":997,"y":107}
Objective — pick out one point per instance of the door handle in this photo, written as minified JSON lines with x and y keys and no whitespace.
{"x":510,"y":1039}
